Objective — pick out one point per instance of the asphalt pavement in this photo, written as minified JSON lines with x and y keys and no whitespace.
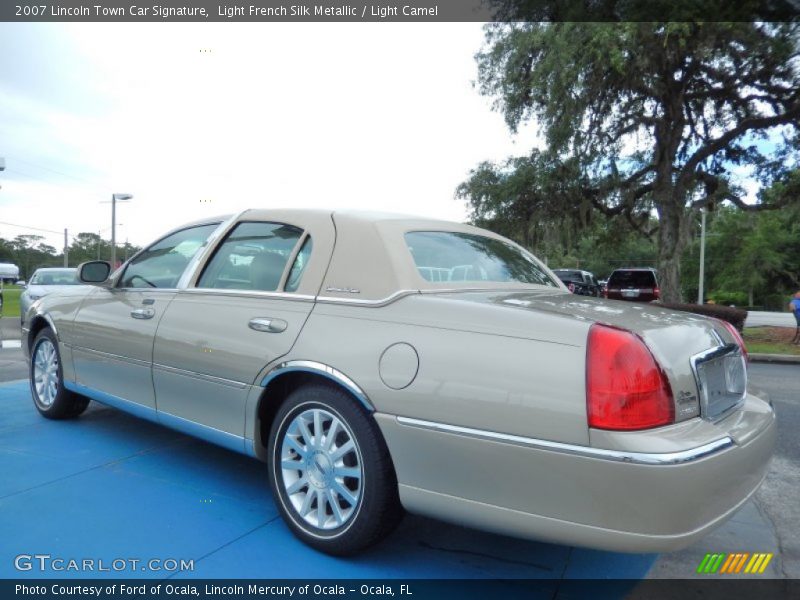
{"x":769,"y":319}
{"x":12,"y":363}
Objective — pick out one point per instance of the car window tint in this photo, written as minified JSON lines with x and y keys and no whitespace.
{"x":299,"y":266}
{"x":632,"y":279}
{"x":252,"y":257}
{"x":162,"y":264}
{"x":446,"y":256}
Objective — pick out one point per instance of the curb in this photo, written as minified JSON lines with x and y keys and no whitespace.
{"x":775,"y":358}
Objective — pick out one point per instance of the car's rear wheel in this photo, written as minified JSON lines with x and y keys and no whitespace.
{"x":330,"y":471}
{"x":50,"y":397}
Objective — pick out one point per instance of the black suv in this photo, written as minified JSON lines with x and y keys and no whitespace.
{"x":638,"y":285}
{"x":579,"y":282}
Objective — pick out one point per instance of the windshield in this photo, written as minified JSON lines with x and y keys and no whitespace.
{"x":55,"y":277}
{"x":445,"y":256}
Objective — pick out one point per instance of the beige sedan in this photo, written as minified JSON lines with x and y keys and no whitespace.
{"x":378,"y":363}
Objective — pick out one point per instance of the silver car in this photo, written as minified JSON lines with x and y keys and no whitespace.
{"x":45,"y":281}
{"x":377,"y":363}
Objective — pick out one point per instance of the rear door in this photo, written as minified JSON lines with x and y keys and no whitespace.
{"x":245,"y":310}
{"x":115,"y":327}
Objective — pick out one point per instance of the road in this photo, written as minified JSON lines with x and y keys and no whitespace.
{"x":771,"y":319}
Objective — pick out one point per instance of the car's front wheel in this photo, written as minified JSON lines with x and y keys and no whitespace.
{"x":330,"y":471}
{"x":50,"y":396}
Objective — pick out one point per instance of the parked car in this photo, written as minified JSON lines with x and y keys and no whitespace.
{"x":376,"y":363}
{"x":638,"y":285}
{"x":45,"y":281}
{"x":579,"y":282}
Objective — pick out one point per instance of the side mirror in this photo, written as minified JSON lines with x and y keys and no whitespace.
{"x":94,"y":271}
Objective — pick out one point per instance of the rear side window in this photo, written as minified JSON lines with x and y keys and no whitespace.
{"x":299,"y":266}
{"x":252,"y":257}
{"x":637,"y":279}
{"x":447,"y":256}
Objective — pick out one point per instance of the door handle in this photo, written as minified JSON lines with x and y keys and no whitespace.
{"x":143,"y":313}
{"x":267,"y":325}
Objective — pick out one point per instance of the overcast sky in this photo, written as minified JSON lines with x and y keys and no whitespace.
{"x":359,"y":115}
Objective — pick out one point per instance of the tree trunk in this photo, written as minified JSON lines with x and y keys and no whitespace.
{"x":671,"y":243}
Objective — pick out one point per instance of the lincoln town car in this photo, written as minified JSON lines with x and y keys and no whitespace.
{"x":381,"y":363}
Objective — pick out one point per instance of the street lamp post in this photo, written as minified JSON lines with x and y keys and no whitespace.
{"x":114,"y":199}
{"x":701,"y":284}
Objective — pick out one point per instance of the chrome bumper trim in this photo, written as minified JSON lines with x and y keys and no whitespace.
{"x":641,"y":458}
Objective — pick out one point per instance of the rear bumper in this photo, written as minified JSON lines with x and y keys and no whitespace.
{"x":612,"y":502}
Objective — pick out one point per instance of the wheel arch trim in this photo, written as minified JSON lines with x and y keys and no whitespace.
{"x":317,"y":368}
{"x":47,"y":319}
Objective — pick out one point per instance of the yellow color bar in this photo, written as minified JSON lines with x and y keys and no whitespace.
{"x":765,"y":563}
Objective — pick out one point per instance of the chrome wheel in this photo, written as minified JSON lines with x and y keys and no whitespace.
{"x":45,"y":373}
{"x":321,"y":468}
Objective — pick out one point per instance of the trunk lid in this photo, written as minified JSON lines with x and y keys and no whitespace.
{"x":693,"y":350}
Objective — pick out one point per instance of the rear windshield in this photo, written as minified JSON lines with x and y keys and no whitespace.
{"x":637,"y":279}
{"x":447,"y":256}
{"x":569,"y":275}
{"x":59,"y":277}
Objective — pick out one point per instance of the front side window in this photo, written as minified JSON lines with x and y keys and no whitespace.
{"x":162,"y":264}
{"x":447,"y":256}
{"x":252,"y":257}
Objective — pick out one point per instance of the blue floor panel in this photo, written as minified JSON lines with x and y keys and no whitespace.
{"x":108,"y":486}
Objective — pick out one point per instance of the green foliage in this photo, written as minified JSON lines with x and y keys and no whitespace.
{"x":10,"y":301}
{"x":729,"y":298}
{"x":751,"y":258}
{"x":527,"y":199}
{"x":29,"y":252}
{"x":649,"y":118}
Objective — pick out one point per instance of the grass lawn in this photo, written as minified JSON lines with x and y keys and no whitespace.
{"x":11,"y":300}
{"x":770,"y":340}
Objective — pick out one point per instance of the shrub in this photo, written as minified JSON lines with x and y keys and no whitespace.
{"x":734,"y":316}
{"x":728,"y":298}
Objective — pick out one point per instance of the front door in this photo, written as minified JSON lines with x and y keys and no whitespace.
{"x":115,"y":327}
{"x":216,"y":337}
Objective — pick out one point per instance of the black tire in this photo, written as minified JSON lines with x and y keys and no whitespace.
{"x":64,"y":404}
{"x":377,"y":510}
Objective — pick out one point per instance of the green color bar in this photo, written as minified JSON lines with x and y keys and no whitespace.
{"x":703,"y":563}
{"x":718,"y":563}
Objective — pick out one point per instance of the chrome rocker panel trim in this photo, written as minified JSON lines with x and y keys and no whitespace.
{"x":641,"y":458}
{"x":204,"y":432}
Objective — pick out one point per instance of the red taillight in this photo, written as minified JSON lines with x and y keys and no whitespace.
{"x":657,"y":293}
{"x":736,"y":336}
{"x":625,"y":387}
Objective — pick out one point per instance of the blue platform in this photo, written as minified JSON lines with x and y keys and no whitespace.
{"x":107,"y":486}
